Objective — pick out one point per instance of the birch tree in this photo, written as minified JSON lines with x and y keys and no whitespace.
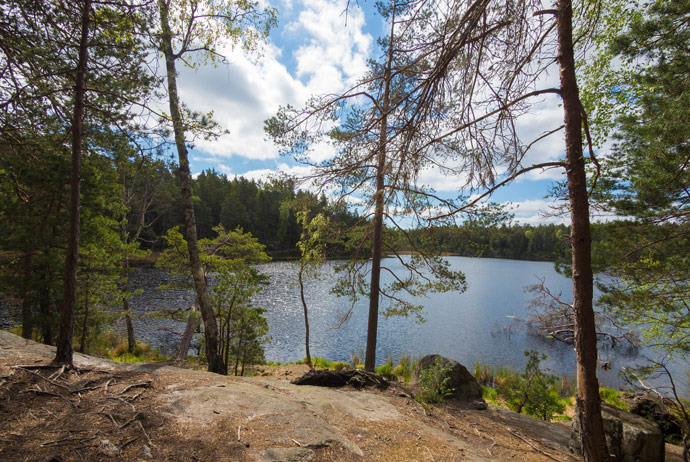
{"x":190,"y":29}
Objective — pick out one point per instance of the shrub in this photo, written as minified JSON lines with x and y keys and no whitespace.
{"x":339,"y":365}
{"x":404,"y":369}
{"x":385,"y":370}
{"x":356,"y":359}
{"x":490,"y":395}
{"x":320,"y":363}
{"x":534,"y":391}
{"x":482,"y":373}
{"x":434,"y":383}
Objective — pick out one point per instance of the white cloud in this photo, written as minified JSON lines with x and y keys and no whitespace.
{"x":336,"y":54}
{"x":243,"y":92}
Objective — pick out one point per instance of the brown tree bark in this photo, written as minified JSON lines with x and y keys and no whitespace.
{"x":215,"y":361}
{"x":588,"y":402}
{"x":131,"y":338}
{"x":64,"y":345}
{"x":377,"y":245}
{"x":306,"y":314}
{"x":27,"y":315}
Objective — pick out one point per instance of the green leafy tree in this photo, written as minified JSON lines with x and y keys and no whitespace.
{"x":74,"y":67}
{"x":536,"y":393}
{"x":312,"y":245}
{"x":231,"y":257}
{"x":189,"y":28}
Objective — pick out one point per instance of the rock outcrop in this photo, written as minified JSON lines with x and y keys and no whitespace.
{"x":630,"y":438}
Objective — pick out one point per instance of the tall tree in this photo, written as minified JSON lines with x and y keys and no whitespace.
{"x":79,"y":63}
{"x":588,"y":404}
{"x":63,"y":354}
{"x":406,"y":115}
{"x":522,"y":65}
{"x":188,"y":28}
{"x":312,"y":246}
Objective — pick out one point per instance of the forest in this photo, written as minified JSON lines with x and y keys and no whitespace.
{"x":95,"y":174}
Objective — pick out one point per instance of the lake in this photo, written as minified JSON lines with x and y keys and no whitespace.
{"x":477,"y":325}
{"x":481,"y":324}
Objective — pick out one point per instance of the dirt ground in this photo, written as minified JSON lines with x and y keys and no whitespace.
{"x":111,"y":411}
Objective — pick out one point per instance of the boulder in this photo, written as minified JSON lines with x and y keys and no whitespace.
{"x":657,"y":410}
{"x":629,"y":438}
{"x":464,"y":384}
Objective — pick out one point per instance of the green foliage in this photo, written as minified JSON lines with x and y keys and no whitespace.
{"x":386,"y":370}
{"x":434,"y":383}
{"x":339,"y":365}
{"x":648,"y":183}
{"x":494,"y":239}
{"x":231,"y":257}
{"x":356,"y":359}
{"x":613,"y":397}
{"x":321,"y":363}
{"x":404,"y":368}
{"x":533,"y":392}
{"x":490,"y":395}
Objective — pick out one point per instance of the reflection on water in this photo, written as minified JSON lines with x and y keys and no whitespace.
{"x":477,"y":325}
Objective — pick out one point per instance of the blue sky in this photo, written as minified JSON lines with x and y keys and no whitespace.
{"x":315,"y":51}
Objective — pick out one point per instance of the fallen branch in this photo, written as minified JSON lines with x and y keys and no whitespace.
{"x":124,"y":401}
{"x":296,"y":442}
{"x":57,"y":374}
{"x":105,"y":390}
{"x":86,"y":389}
{"x":136,"y":417}
{"x":70,"y":440}
{"x":112,"y":419}
{"x":355,"y":377}
{"x":130,"y":441}
{"x":430,"y":454}
{"x":238,"y":432}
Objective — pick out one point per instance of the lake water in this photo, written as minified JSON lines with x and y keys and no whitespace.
{"x":477,"y":325}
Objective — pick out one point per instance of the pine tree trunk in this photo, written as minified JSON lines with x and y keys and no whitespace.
{"x":64,"y":345}
{"x":131,"y":339}
{"x":588,"y":403}
{"x":377,"y":245}
{"x":44,"y":306}
{"x":215,"y":361}
{"x":27,"y":315}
